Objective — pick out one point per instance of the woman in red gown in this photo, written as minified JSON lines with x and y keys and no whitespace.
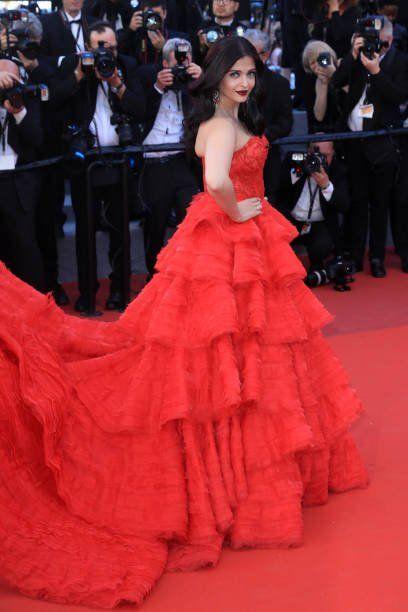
{"x":209,"y":413}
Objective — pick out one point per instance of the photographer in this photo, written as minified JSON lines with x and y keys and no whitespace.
{"x":312,"y":193}
{"x":147,"y":32}
{"x":20,"y":138}
{"x":323,"y":102}
{"x":64,"y":31}
{"x":377,"y":78}
{"x":107,"y":92}
{"x":223,"y":23}
{"x":276,"y":110}
{"x":338,"y":26}
{"x":390,"y":9}
{"x":167,"y":181}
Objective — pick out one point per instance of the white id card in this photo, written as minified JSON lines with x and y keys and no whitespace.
{"x":366,"y":111}
{"x":7,"y":162}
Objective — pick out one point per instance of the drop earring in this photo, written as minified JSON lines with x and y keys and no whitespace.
{"x":216,"y":97}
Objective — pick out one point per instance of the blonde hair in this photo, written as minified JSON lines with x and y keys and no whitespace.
{"x":312,"y":51}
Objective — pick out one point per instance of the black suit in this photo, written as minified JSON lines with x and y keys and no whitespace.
{"x":166,"y":184}
{"x":82,"y":100}
{"x":372,"y":162}
{"x":137,"y":44}
{"x":57,"y":39}
{"x":324,"y":235}
{"x":104,"y":9}
{"x":19,"y":194}
{"x":277,"y":112}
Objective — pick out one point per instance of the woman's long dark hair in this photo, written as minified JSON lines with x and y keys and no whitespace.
{"x":218,"y":61}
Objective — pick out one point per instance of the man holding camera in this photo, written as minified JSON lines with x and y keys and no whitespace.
{"x":20,"y":142}
{"x":167,"y":181}
{"x":223,"y":23}
{"x":117,"y":12}
{"x":147,"y":32}
{"x":313,"y":191}
{"x":102,"y":88}
{"x":377,"y":78}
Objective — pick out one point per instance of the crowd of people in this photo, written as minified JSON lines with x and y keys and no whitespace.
{"x":120,"y":72}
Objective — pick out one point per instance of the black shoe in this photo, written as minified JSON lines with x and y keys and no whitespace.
{"x":82,"y":304}
{"x":59,"y":295}
{"x":115,"y":301}
{"x":356,"y":266}
{"x":377,"y":268}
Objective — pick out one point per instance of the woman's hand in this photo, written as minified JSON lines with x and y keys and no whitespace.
{"x":248,"y":209}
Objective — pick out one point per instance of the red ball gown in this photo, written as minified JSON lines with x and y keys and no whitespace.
{"x":209,"y":413}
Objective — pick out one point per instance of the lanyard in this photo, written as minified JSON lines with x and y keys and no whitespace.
{"x":312,"y":198}
{"x":3,"y":128}
{"x":68,"y":23}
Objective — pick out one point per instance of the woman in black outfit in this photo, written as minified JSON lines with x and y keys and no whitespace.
{"x":339,"y":26}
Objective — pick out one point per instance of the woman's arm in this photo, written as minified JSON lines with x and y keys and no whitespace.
{"x":220,"y":144}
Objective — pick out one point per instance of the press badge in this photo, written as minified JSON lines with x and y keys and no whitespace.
{"x":7,"y":162}
{"x":306,"y":227}
{"x":366,"y":111}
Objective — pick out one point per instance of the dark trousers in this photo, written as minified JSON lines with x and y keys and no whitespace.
{"x":272,"y":172}
{"x":371,"y":187}
{"x":399,"y":205}
{"x":52,"y":192}
{"x":318,"y":243}
{"x":109,"y":197}
{"x":165,"y":185}
{"x":18,"y":244}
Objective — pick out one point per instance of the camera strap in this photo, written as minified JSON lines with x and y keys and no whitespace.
{"x":79,"y":29}
{"x":312,"y":195}
{"x":3,"y":129}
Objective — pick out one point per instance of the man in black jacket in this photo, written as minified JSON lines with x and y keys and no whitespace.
{"x":376,"y":89}
{"x":313,"y":203}
{"x":117,"y":12}
{"x":93,"y":100}
{"x":21,"y":136}
{"x":167,"y":181}
{"x":145,"y":44}
{"x":224,"y":18}
{"x":276,"y":109}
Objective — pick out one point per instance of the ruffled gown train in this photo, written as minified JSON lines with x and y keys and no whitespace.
{"x":209,"y":413}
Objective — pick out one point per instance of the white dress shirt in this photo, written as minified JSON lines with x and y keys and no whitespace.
{"x":118,"y":25}
{"x":101,"y":125}
{"x":168,"y":125}
{"x":300,"y":211}
{"x":8,"y":157}
{"x":355,"y":121}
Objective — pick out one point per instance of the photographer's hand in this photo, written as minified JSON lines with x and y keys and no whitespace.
{"x":28,"y":64}
{"x":357,"y":45}
{"x":164,"y":79}
{"x":194,"y":70}
{"x":156,"y":38}
{"x":372,"y":65}
{"x":137,"y":21}
{"x":321,"y":178}
{"x":13,"y":110}
{"x":8,"y":80}
{"x":3,"y":40}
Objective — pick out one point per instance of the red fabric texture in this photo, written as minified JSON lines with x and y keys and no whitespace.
{"x":207,"y":414}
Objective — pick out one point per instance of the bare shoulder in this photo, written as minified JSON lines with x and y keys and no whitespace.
{"x":216,"y":128}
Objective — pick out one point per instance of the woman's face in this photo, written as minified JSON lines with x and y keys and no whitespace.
{"x":239,"y":81}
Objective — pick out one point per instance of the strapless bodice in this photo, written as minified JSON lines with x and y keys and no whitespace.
{"x":246,"y":170}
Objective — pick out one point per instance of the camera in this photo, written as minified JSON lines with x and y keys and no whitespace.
{"x":212,"y":34}
{"x":8,"y":17}
{"x":324,"y":60}
{"x":152,"y":20}
{"x":337,"y":271}
{"x":78,"y":140}
{"x":104,"y":61}
{"x":28,"y":47}
{"x":308,"y":163}
{"x":180,"y":74}
{"x":123,"y":129}
{"x":369,"y":28}
{"x":317,"y":278}
{"x":15,"y":95}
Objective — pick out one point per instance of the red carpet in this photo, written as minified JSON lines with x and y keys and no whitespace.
{"x":354,"y":555}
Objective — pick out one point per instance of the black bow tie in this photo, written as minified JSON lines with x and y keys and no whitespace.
{"x":78,"y":21}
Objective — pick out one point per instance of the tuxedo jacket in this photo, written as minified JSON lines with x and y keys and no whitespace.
{"x":386,"y":90}
{"x":57,"y":39}
{"x":26,"y":140}
{"x":78,"y":100}
{"x":289,"y":194}
{"x":277,"y":105}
